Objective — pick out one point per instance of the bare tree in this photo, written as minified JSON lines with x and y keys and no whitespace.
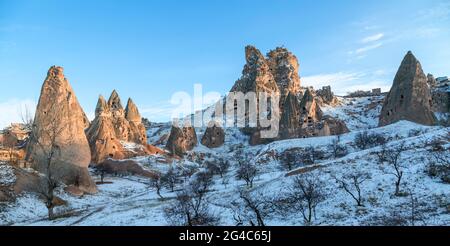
{"x":247,"y":172}
{"x":364,"y":140}
{"x":170,"y":179}
{"x":190,"y":207}
{"x":314,"y":154}
{"x":393,"y":159}
{"x":46,"y":156}
{"x":218,"y":166}
{"x":157,"y":183}
{"x":439,"y":163}
{"x":27,"y":118}
{"x":304,"y":195}
{"x":351,"y":184}
{"x":289,"y":159}
{"x":382,"y":153}
{"x":339,"y":150}
{"x":251,"y":208}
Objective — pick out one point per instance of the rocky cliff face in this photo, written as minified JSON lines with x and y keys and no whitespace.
{"x":409,"y":97}
{"x":59,"y":123}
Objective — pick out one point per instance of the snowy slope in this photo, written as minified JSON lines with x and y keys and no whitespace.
{"x":130,"y":200}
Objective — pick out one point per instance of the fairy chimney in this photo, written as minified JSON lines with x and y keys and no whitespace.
{"x":409,"y":97}
{"x":60,"y":123}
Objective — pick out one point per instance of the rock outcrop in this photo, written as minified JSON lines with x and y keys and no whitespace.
{"x":60,"y":123}
{"x":278,"y":74}
{"x":137,"y":129}
{"x":214,"y":136}
{"x":124,"y":167}
{"x":326,"y":97}
{"x":102,"y":135}
{"x":181,"y":140}
{"x":290,"y":122}
{"x":115,"y":130}
{"x":284,"y":68}
{"x":256,"y":75}
{"x":311,"y":117}
{"x":409,"y":98}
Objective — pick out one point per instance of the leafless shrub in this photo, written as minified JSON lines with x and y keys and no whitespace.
{"x":306,"y":192}
{"x":218,"y":166}
{"x":365,"y":140}
{"x":439,"y":163}
{"x":247,"y":172}
{"x":47,"y":157}
{"x":190,"y":207}
{"x":337,"y":149}
{"x":251,"y":208}
{"x":393,"y":159}
{"x":351,"y":184}
{"x":171,"y":178}
{"x":289,"y":159}
{"x":313,"y":154}
{"x":157,"y":183}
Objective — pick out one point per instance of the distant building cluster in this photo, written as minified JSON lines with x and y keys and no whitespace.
{"x":361,"y":93}
{"x":13,"y":140}
{"x":440,"y":93}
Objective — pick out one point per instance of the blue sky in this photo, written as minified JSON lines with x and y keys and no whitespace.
{"x":148,"y":50}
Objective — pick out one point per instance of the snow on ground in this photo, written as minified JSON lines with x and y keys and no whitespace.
{"x":130,"y":200}
{"x":7,"y":175}
{"x":357,"y":112}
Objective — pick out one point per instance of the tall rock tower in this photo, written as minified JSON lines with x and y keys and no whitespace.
{"x":58,"y":128}
{"x":409,"y":97}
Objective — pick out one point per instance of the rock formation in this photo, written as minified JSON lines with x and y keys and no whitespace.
{"x":60,"y":123}
{"x":431,"y":80}
{"x":181,"y":140}
{"x":137,"y":129}
{"x":409,"y":97}
{"x":214,"y":136}
{"x":326,"y":96}
{"x":290,"y":122}
{"x":284,"y":67}
{"x":256,"y":75}
{"x":124,"y":167}
{"x":335,"y":126}
{"x":278,"y":73}
{"x":311,"y":117}
{"x":114,"y":127}
{"x":102,"y":135}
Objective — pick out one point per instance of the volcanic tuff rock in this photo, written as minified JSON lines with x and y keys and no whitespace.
{"x":214,"y":136}
{"x":278,"y":73}
{"x":256,"y":75}
{"x":290,"y":117}
{"x":137,"y":128}
{"x":113,"y":126}
{"x":284,"y":67}
{"x":181,"y":140}
{"x":326,"y":96}
{"x":60,"y":119}
{"x":409,"y":97}
{"x":102,"y":136}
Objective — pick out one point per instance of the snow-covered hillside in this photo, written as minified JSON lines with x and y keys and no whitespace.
{"x":424,"y":199}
